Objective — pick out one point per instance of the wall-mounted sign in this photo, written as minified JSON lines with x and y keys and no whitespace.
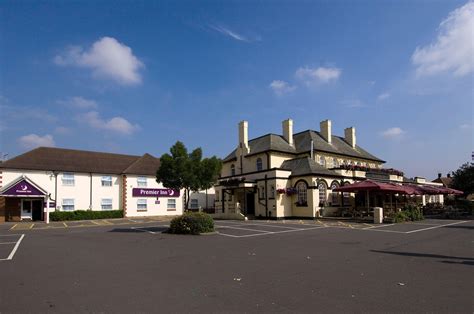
{"x":23,"y":188}
{"x":140,"y":192}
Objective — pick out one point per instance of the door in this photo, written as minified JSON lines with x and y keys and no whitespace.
{"x":250,"y":206}
{"x":37,"y":209}
{"x":26,"y":209}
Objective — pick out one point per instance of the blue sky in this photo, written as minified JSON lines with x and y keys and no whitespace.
{"x":134,"y":77}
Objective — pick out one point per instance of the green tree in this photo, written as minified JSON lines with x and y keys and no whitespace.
{"x":463,"y":178}
{"x":188,"y":171}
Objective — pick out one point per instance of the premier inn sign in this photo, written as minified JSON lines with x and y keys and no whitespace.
{"x":23,"y":188}
{"x":139,"y":192}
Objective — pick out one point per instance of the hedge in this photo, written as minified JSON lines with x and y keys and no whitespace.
{"x":85,"y":214}
{"x":409,"y":213}
{"x":192,"y":223}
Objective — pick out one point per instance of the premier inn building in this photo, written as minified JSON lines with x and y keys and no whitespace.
{"x":49,"y":179}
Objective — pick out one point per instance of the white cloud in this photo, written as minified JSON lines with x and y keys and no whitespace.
{"x":80,"y":103}
{"x":115,"y":124}
{"x":383,"y":96}
{"x":353,"y":103}
{"x":228,"y":32}
{"x":107,"y":58}
{"x":31,"y":141}
{"x":465,"y":126}
{"x":320,"y":75}
{"x":453,"y":49}
{"x":281,"y":87}
{"x":62,"y":130}
{"x":394,"y":132}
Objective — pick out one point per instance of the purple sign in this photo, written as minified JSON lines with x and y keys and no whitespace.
{"x":23,"y":188}
{"x":140,"y":192}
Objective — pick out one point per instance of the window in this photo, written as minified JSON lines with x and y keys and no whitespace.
{"x":141,"y":182}
{"x":359,"y":163}
{"x":335,"y":162}
{"x":172,"y":204}
{"x":322,"y":192}
{"x":259,"y":164}
{"x":302,"y":191}
{"x":334,"y":195}
{"x":141,"y":205}
{"x":194,"y":203}
{"x":232,"y":170}
{"x":68,"y":204}
{"x":106,"y":180}
{"x":346,"y":201}
{"x":322,"y":161}
{"x":272,"y":191}
{"x":106,"y":204}
{"x":68,"y":179}
{"x":262,"y":192}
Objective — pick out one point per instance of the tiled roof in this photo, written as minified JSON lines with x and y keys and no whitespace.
{"x":306,"y":166}
{"x":60,"y":159}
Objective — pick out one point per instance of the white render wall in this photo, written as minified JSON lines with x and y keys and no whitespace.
{"x":153,"y":209}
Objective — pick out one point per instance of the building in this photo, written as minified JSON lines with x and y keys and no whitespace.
{"x":293,"y":175}
{"x":66,"y":179}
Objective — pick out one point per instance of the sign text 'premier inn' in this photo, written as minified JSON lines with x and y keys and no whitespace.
{"x":139,"y":192}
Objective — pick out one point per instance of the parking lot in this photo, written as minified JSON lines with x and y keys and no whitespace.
{"x":247,"y":266}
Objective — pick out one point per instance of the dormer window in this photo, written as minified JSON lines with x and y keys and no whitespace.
{"x":322,"y":161}
{"x":335,"y":162}
{"x":259,"y":164}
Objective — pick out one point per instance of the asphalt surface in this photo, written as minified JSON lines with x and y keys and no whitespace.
{"x":268,"y":267}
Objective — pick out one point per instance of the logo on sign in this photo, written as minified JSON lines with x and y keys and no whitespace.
{"x":139,"y":192}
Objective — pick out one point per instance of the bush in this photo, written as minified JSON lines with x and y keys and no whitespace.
{"x":192,"y":223}
{"x":85,"y":215}
{"x":400,"y":217}
{"x":409,"y":213}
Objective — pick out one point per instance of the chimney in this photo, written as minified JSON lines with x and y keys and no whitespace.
{"x":350,"y":136}
{"x":439,"y":175}
{"x":325,"y":127}
{"x":288,"y":131}
{"x":244,"y":135}
{"x":449,"y":175}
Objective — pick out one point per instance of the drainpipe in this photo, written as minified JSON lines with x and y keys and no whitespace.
{"x":266,"y":196}
{"x":55,"y":190}
{"x":90,"y":194}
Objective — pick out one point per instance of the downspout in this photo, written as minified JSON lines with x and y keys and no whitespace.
{"x":90,"y":192}
{"x":241,"y":165}
{"x":55,"y":191}
{"x":266,"y":196}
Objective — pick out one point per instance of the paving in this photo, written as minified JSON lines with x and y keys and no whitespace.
{"x":254,"y":266}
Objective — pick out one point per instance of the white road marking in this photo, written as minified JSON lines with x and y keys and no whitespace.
{"x":267,"y":232}
{"x":7,"y":242}
{"x":375,"y":227}
{"x":10,"y":257}
{"x":238,"y":228}
{"x":144,"y":230}
{"x":265,"y":225}
{"x":441,"y":226}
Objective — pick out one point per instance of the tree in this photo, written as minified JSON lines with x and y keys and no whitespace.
{"x":463,"y":178}
{"x":180,"y":170}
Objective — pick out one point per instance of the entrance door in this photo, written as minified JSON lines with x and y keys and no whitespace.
{"x":250,"y":206}
{"x":37,"y":209}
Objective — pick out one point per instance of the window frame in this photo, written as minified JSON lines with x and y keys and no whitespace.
{"x":335,"y":199}
{"x":104,"y":202}
{"x":68,"y":179}
{"x":71,"y":203}
{"x":195,"y":202}
{"x":172,"y":206}
{"x":104,"y":179}
{"x":142,"y":183}
{"x":301,"y":193}
{"x":322,"y":192}
{"x":259,"y":164}
{"x":140,"y":203}
{"x":232,"y":170}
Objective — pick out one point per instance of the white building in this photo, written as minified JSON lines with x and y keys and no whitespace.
{"x":69,"y":180}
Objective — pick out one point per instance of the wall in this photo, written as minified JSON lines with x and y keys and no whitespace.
{"x":153,"y":209}
{"x":201,"y":197}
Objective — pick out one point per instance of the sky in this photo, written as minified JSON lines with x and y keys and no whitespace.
{"x":136,"y":76}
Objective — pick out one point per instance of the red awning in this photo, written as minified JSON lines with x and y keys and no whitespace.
{"x":369,"y":185}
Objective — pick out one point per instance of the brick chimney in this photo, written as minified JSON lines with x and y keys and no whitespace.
{"x":439,"y":175}
{"x":326,"y":132}
{"x":350,"y":136}
{"x":287,"y":126}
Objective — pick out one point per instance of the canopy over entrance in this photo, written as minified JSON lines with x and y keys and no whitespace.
{"x":22,"y":187}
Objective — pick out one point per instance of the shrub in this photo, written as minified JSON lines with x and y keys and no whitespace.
{"x":192,"y":223}
{"x":85,"y":215}
{"x":400,"y":217}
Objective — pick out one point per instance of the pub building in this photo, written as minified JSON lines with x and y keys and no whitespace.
{"x":50,"y":179}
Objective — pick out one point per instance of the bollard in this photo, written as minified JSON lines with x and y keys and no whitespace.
{"x":378,"y":215}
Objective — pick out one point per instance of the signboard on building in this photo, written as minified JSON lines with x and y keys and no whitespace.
{"x":23,"y":188}
{"x":141,"y":192}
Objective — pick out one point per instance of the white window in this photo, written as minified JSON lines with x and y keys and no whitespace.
{"x":141,"y":204}
{"x":322,"y":192}
{"x":68,"y":204}
{"x":106,"y":204}
{"x":194,"y":203}
{"x":346,"y":198}
{"x":302,"y":190}
{"x":259,"y":164}
{"x":171,"y":204}
{"x":106,"y":180}
{"x":334,"y":195}
{"x":335,"y":162}
{"x":68,"y":179}
{"x":141,"y":182}
{"x":322,"y":161}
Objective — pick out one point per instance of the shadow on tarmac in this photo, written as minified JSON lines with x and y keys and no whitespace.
{"x":467,"y":260}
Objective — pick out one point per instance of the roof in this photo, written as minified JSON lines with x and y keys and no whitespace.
{"x":274,"y":142}
{"x":306,"y":166}
{"x":337,"y":146}
{"x":147,"y":164}
{"x":446,"y":181}
{"x":60,"y":159}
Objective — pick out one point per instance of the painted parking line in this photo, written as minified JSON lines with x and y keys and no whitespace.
{"x":15,"y":248}
{"x":267,"y":232}
{"x":239,"y":228}
{"x":271,"y":225}
{"x":439,"y":226}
